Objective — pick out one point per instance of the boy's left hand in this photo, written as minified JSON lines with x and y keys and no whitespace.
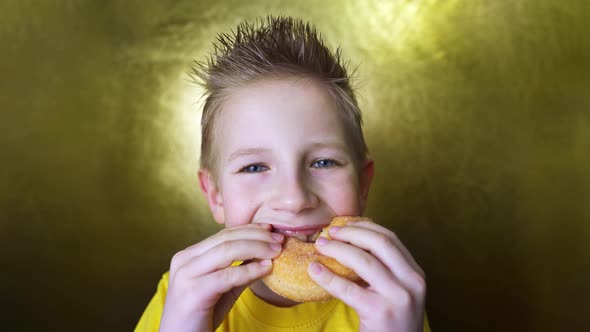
{"x":394,"y":297}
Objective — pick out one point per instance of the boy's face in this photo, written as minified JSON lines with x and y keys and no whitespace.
{"x":283,"y":158}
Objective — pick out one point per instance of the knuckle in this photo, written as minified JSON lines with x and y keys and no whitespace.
{"x":366,"y":260}
{"x":224,"y":247}
{"x":224,"y":235}
{"x":328,"y":279}
{"x":176,"y":260}
{"x":177,"y":274}
{"x":391,"y":235}
{"x":418,"y":282}
{"x":421,"y":272}
{"x":404,"y":299}
{"x":384,"y":240}
{"x":229,"y":276}
{"x":385,"y":313}
{"x":253,"y":270}
{"x":226,"y":274}
{"x":349,"y":289}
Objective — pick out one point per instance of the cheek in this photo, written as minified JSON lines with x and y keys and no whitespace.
{"x":342,"y":195}
{"x":240,"y":201}
{"x":345,"y":203}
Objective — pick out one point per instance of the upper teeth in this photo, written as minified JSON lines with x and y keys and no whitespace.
{"x":301,"y":237}
{"x":308,"y":238}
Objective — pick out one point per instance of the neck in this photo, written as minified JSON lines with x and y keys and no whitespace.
{"x":270,"y":297}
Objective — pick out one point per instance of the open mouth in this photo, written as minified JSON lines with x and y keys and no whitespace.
{"x":308,"y":235}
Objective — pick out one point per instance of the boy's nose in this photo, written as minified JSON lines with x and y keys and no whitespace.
{"x":293,"y":194}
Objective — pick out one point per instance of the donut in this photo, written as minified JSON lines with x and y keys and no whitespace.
{"x":289,"y":277}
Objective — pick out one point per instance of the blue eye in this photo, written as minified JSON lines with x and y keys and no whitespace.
{"x":254,"y":168}
{"x":324,"y":163}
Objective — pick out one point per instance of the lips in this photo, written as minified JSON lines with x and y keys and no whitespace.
{"x":305,"y":234}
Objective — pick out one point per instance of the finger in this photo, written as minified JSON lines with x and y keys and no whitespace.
{"x":350,"y":293}
{"x":368,"y":267}
{"x":225,"y":253}
{"x":257,"y":232}
{"x":384,"y":249}
{"x":391,"y":236}
{"x":222,"y":281}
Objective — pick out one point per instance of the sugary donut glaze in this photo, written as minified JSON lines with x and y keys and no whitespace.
{"x":289,"y":276}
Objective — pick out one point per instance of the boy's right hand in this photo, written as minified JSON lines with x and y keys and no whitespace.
{"x":203,"y":286}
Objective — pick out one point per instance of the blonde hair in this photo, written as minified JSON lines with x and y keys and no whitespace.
{"x":271,"y":48}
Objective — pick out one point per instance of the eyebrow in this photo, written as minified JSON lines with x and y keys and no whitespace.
{"x":317,"y":145}
{"x":330,"y":145}
{"x":246,"y":152}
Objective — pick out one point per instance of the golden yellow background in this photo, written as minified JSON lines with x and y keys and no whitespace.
{"x":477,"y":114}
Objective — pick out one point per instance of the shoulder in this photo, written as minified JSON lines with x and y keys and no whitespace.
{"x":164,"y":281}
{"x":162,"y":288}
{"x":150,"y":319}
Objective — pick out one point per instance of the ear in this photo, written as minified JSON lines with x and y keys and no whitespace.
{"x":366,"y":178}
{"x":212,"y":194}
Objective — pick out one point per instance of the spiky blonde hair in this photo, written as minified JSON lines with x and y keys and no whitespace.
{"x":269,"y":48}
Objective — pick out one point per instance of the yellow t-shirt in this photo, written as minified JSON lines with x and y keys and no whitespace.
{"x":251,"y":313}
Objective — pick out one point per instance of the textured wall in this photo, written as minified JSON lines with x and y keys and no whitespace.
{"x":477,"y":114}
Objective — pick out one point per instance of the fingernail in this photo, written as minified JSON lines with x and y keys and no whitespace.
{"x":276,"y":247}
{"x":265,"y":262}
{"x":277,"y":236}
{"x":315,"y":268}
{"x":321,"y":241}
{"x":334,"y":229}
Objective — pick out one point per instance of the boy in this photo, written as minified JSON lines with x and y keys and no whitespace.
{"x":282,"y":154}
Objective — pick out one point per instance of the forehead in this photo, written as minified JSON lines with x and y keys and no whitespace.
{"x":276,"y":114}
{"x":294,"y":93}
